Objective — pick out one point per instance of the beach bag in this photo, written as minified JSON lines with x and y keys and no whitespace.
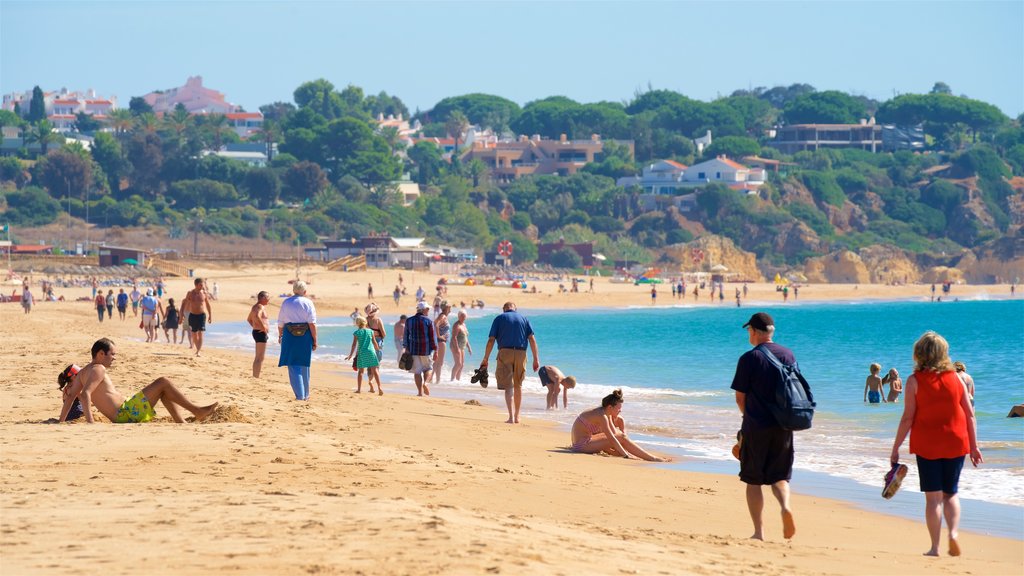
{"x":792,"y":404}
{"x":297,"y":330}
{"x":405,"y":362}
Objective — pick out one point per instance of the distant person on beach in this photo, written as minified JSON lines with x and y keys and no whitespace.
{"x":197,"y":302}
{"x":654,"y":294}
{"x":766,"y":452}
{"x":101,"y":304}
{"x":122,"y":304}
{"x":27,"y":299}
{"x":895,"y":385}
{"x":151,"y":305}
{"x":459,"y":345}
{"x":171,"y":321}
{"x":397,"y":295}
{"x":873,"y":385}
{"x":594,"y":431}
{"x":552,"y":378}
{"x":398,"y":331}
{"x":369,"y":291}
{"x":92,"y":385}
{"x":110,"y":304}
{"x":364,"y":348}
{"x":376,"y":325}
{"x":420,"y":341}
{"x":512,"y":332}
{"x":260,"y":323}
{"x":961,"y":371}
{"x":296,"y":331}
{"x":443,"y":329}
{"x":135,"y":296}
{"x":940,"y":420}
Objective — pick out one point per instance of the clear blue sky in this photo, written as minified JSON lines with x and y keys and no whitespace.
{"x":259,"y":52}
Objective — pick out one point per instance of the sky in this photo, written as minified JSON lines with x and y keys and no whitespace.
{"x":258,"y":52}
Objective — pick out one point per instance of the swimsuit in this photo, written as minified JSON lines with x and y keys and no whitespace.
{"x":578,"y":445}
{"x":259,"y":336}
{"x":135,"y":409}
{"x":874,"y":397}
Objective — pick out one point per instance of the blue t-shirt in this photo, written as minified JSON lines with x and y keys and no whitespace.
{"x":511,"y":330}
{"x":122,"y":300}
{"x":757,"y":378}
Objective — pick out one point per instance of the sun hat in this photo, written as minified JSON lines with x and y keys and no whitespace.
{"x":422,"y":305}
{"x":760,"y":321}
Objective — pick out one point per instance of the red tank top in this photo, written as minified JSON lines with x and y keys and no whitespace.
{"x":940,"y":425}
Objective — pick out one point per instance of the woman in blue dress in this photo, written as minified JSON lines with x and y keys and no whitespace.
{"x":365,"y":347}
{"x":296,"y":331}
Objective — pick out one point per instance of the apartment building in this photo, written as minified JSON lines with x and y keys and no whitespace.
{"x":510,"y":160}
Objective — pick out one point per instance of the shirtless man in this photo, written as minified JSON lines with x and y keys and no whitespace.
{"x":260,"y":330}
{"x":92,"y":385}
{"x":197,"y":304}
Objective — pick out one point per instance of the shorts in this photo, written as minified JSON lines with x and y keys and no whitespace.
{"x":766,"y":456}
{"x":545,"y":379}
{"x":874,"y":397}
{"x":148,"y":320}
{"x":197,"y":322}
{"x":135,"y":409}
{"x":420,"y":364}
{"x":511,"y":368}
{"x":940,"y":474}
{"x":135,"y":305}
{"x":259,"y":336}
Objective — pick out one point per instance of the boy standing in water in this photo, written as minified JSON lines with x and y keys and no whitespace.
{"x":873,"y":386}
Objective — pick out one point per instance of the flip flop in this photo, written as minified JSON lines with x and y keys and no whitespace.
{"x":736,"y":447}
{"x":893,"y":479}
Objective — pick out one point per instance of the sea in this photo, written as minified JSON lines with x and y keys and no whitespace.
{"x":675,"y":363}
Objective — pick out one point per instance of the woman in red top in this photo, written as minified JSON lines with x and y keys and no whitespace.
{"x":940,"y":420}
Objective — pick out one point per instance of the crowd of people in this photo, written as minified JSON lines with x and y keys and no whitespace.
{"x":938,"y":397}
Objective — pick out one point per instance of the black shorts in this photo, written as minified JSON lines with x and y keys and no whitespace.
{"x":941,"y":474}
{"x":197,"y":322}
{"x":259,"y":336}
{"x":545,"y":380}
{"x":766,"y":456}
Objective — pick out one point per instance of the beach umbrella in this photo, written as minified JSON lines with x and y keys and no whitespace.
{"x":719,"y":268}
{"x":599,"y":256}
{"x":131,"y":261}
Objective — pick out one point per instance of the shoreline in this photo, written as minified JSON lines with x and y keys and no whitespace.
{"x":393,"y":484}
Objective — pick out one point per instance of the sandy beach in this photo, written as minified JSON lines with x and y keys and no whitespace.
{"x":360,"y":484}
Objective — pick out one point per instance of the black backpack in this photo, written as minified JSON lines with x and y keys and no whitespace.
{"x":792,"y":405}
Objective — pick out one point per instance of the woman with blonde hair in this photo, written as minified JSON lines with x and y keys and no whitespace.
{"x":595,"y":431}
{"x":940,"y":420}
{"x":365,"y":349}
{"x":460,"y":344}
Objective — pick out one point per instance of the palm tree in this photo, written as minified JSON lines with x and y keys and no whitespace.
{"x":41,"y":132}
{"x":268,"y":134}
{"x":456,"y":125}
{"x":121,"y":121}
{"x":217,"y":125}
{"x":178,"y":121}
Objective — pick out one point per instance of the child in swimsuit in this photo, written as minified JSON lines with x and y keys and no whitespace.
{"x":873,"y":386}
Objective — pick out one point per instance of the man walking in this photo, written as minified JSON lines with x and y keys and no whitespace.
{"x":150,"y":306}
{"x":135,"y":297}
{"x":512,"y":331}
{"x":197,"y":304}
{"x":420,"y":340}
{"x":766,"y":450}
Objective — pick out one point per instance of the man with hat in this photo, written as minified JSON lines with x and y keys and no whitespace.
{"x":766,"y":450}
{"x":512,"y":331}
{"x":420,"y":340}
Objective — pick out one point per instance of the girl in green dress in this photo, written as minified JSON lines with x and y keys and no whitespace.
{"x":364,"y":348}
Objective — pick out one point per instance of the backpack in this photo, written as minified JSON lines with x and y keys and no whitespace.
{"x":793,"y":404}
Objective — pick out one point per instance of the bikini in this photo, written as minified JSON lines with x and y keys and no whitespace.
{"x":578,"y":445}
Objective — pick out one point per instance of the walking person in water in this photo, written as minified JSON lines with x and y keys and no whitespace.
{"x":460,"y":345}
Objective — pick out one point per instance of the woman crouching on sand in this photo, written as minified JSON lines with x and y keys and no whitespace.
{"x":594,"y":431}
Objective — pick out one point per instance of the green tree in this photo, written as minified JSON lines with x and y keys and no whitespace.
{"x":733,"y":147}
{"x":828,"y":107}
{"x":31,"y":206}
{"x":121,"y":121}
{"x":303,"y":180}
{"x":320,"y":97}
{"x":565,"y":258}
{"x":145,"y":155}
{"x":106,"y":151}
{"x":456,"y":124}
{"x":138,"y":106}
{"x":43,"y":133}
{"x":87,"y":123}
{"x":64,"y":170}
{"x":486,"y":110}
{"x":36,"y":106}
{"x":188,"y":194}
{"x":941,"y":88}
{"x":262,"y":185}
{"x":477,"y":171}
{"x":426,"y":156}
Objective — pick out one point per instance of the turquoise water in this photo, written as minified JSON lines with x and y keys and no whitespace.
{"x":675,"y":365}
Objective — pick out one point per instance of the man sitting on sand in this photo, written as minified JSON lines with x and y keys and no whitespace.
{"x":93,"y":385}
